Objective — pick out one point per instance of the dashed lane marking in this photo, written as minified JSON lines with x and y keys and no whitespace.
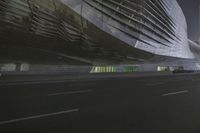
{"x":37,"y":116}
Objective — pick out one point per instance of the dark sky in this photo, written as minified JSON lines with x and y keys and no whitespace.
{"x":190,"y":9}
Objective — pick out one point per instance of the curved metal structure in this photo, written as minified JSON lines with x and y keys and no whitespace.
{"x":138,"y":29}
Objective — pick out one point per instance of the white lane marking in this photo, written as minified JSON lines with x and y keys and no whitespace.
{"x":82,"y":84}
{"x":43,"y":82}
{"x":175,"y":93}
{"x":70,"y":92}
{"x":155,"y":84}
{"x":37,"y":116}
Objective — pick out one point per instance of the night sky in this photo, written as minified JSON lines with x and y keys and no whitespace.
{"x":190,"y":9}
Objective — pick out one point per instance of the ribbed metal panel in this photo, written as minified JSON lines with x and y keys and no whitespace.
{"x":139,"y":16}
{"x":105,"y":27}
{"x":15,"y":12}
{"x":34,"y":18}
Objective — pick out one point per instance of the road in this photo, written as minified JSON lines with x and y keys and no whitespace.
{"x":157,"y":104}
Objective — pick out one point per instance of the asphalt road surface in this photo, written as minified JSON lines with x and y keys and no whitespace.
{"x":161,"y":104}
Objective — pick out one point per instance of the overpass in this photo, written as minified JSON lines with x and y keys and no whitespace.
{"x":108,"y":30}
